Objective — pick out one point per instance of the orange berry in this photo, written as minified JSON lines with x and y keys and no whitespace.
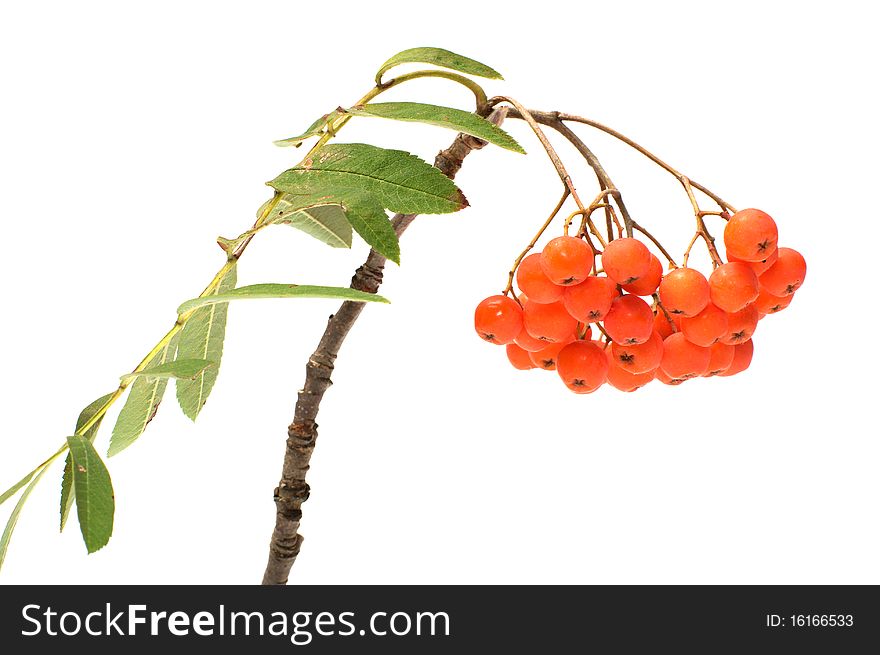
{"x":531,"y":280}
{"x":741,"y":325}
{"x":705,"y":328}
{"x":567,"y":260}
{"x":648,"y":283}
{"x":527,"y":342}
{"x":641,"y":357}
{"x":742,"y":357}
{"x":550,"y":322}
{"x":519,"y":357}
{"x":720,"y":358}
{"x":662,"y":325}
{"x":622,"y":379}
{"x":767,"y":303}
{"x":683,"y":359}
{"x":659,"y":374}
{"x":583,"y":366}
{"x":750,"y":235}
{"x":758,"y":267}
{"x":629,"y":321}
{"x":498,"y":319}
{"x":786,"y":275}
{"x":732,"y":286}
{"x":684,"y":291}
{"x":546,"y":358}
{"x":626,"y":260}
{"x":591,"y":299}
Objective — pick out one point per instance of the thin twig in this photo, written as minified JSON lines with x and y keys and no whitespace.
{"x":647,"y":153}
{"x":702,"y":230}
{"x":522,"y":113}
{"x":509,"y":288}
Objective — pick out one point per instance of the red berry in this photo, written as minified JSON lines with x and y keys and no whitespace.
{"x":567,"y":260}
{"x":683,"y":359}
{"x":639,"y":358}
{"x":622,"y":379}
{"x":659,"y":374}
{"x":684,"y":291}
{"x":767,"y":303}
{"x":546,"y":358}
{"x":742,"y":357}
{"x":527,"y":342}
{"x":583,"y":366}
{"x":532,"y":281}
{"x":720,"y":358}
{"x":750,"y":235}
{"x":786,"y":275}
{"x":648,"y":283}
{"x":626,"y":260}
{"x":498,"y":319}
{"x":732,"y":286}
{"x":519,"y":357}
{"x":705,"y":328}
{"x":629,"y":321}
{"x":757,"y":267}
{"x":550,"y":322}
{"x":591,"y":299}
{"x":741,"y":325}
{"x":662,"y":324}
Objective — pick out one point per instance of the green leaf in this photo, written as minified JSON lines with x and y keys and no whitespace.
{"x":439,"y":57}
{"x":141,"y":405}
{"x":449,"y":117}
{"x":398,"y":180}
{"x":94,"y":493}
{"x":314,"y":129}
{"x":180,"y":369}
{"x":9,"y":493}
{"x":16,"y":512}
{"x":326,"y":223}
{"x":369,"y":220}
{"x":355,"y":209}
{"x":67,"y":479}
{"x":255,"y":291}
{"x":202,"y":337}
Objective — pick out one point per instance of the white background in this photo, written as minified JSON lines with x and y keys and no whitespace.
{"x":132,"y":135}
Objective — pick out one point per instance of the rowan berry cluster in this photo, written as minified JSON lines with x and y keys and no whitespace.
{"x":694,"y":327}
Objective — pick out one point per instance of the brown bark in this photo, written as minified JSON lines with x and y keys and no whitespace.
{"x":293,"y":490}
